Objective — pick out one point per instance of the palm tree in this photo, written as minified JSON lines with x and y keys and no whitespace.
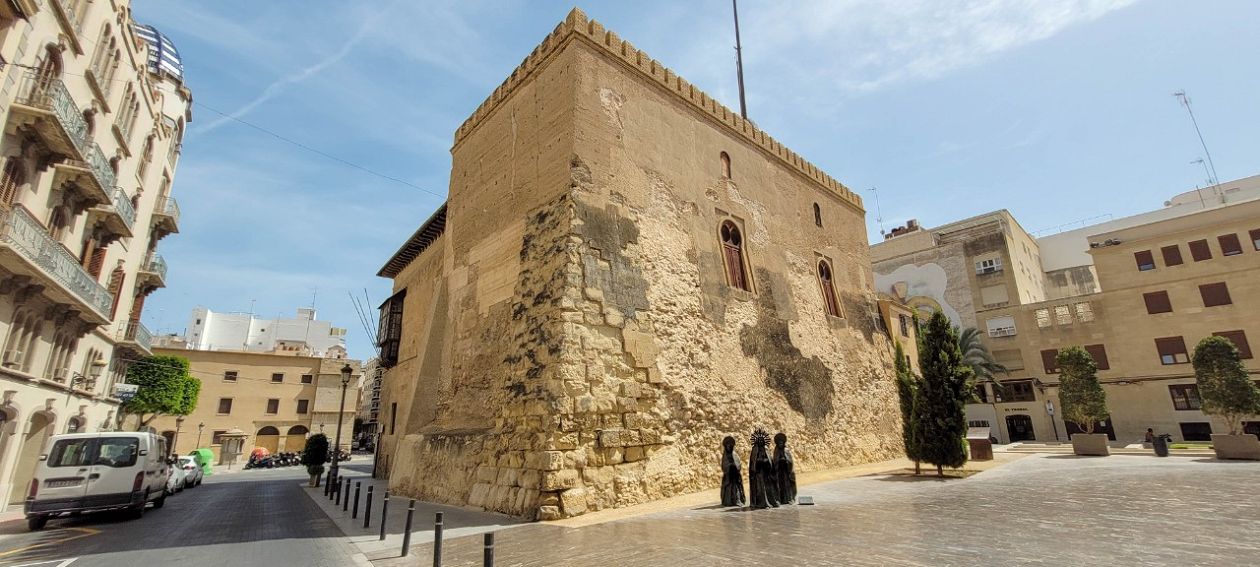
{"x":983,"y":366}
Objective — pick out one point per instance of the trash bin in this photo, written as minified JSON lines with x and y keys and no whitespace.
{"x":1160,"y":442}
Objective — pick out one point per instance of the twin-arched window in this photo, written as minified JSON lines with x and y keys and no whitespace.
{"x":733,"y":256}
{"x":828,"y":289}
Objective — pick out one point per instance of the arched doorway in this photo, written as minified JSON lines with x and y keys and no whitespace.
{"x":38,"y":429}
{"x":268,"y":438}
{"x":295,"y":441}
{"x":1020,"y":428}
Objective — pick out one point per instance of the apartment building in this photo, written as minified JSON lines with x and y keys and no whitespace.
{"x":370,"y":397}
{"x":1032,"y":296}
{"x":278,"y":399}
{"x":94,"y":108}
{"x":304,"y":333}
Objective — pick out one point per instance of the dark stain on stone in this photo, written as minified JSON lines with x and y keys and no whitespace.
{"x":608,"y":233}
{"x":805,"y":382}
{"x":862,"y":314}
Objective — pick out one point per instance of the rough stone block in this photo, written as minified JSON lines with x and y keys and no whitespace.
{"x":487,"y":474}
{"x":552,"y":460}
{"x":573,"y":502}
{"x":559,"y":480}
{"x":546,"y":513}
{"x":634,"y":454}
{"x":530,"y":478}
{"x":610,"y":438}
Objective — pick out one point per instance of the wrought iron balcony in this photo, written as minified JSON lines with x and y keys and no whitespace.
{"x":47,"y":108}
{"x":119,"y":216}
{"x":99,"y":165}
{"x":166,"y":215}
{"x":154,"y":268}
{"x":135,"y":333}
{"x":38,"y":254}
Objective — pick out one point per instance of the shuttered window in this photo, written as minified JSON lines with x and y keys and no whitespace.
{"x":1215,"y":294}
{"x":1145,"y":260}
{"x":389,"y":334}
{"x":1099,"y":354}
{"x":733,"y":256}
{"x":1172,"y":350}
{"x":1172,"y":255}
{"x":1230,"y":245}
{"x":1199,"y":251}
{"x":303,"y":406}
{"x":273,"y":406}
{"x":225,"y":405}
{"x":1255,"y":238}
{"x":1157,"y":302}
{"x":1185,"y":397}
{"x":828,"y":289}
{"x":1239,"y":339}
{"x":1049,"y":360}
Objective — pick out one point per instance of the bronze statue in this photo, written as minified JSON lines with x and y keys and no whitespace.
{"x":732,"y":480}
{"x":784,"y":470}
{"x":762,"y":490}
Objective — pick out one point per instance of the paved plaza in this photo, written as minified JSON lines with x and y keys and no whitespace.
{"x":1045,"y":510}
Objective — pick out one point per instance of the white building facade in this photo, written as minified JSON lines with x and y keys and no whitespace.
{"x":303,"y":334}
{"x":94,"y":109}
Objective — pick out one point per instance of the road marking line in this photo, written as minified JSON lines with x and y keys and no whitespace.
{"x":85,"y":533}
{"x":62,"y":564}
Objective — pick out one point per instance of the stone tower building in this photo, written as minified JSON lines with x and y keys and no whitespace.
{"x":625,"y":272}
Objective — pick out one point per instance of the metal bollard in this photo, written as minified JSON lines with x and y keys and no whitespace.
{"x":336,"y":495}
{"x":384,"y":514}
{"x":411,"y":509}
{"x":487,"y":559}
{"x":367,"y":509}
{"x":345,"y":502}
{"x":328,"y":483}
{"x":437,"y":541}
{"x":354,"y":512}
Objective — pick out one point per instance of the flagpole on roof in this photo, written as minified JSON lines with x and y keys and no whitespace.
{"x":739,"y":63}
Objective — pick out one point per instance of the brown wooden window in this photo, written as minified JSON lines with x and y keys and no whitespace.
{"x":273,"y":406}
{"x":216,"y":438}
{"x":1172,"y":350}
{"x":389,"y":334}
{"x":277,"y":377}
{"x":1185,"y":397}
{"x":1215,"y":294}
{"x":1157,"y":302}
{"x":1145,"y":260}
{"x":1230,"y":245}
{"x":303,"y":406}
{"x":1099,"y":354}
{"x":1018,"y":392}
{"x":904,"y":323}
{"x":733,"y":256}
{"x":817,"y":215}
{"x":1172,"y":255}
{"x":1200,"y":251}
{"x":828,"y":289}
{"x":225,"y":405}
{"x":1049,"y":359}
{"x":393,"y":417}
{"x":726,"y":165}
{"x":116,"y":279}
{"x":308,"y":378}
{"x":229,"y":375}
{"x":11,"y":181}
{"x":1255,"y":238}
{"x":1239,"y":339}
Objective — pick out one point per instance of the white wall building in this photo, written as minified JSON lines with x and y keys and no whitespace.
{"x":303,"y":334}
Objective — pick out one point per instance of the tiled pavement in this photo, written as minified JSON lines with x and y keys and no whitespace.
{"x":1044,"y":510}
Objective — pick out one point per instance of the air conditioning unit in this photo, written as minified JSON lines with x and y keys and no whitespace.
{"x":12,"y":358}
{"x":61,"y":374}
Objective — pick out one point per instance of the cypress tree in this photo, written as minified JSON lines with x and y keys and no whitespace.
{"x":1082,"y":397}
{"x":1223,"y":383}
{"x":907,"y":389}
{"x":943,"y":394}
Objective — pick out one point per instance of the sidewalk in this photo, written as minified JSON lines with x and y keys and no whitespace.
{"x":457,"y":522}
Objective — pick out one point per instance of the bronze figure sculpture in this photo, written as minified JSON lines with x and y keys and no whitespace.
{"x":732,"y":480}
{"x":762,"y":489}
{"x":784,"y":470}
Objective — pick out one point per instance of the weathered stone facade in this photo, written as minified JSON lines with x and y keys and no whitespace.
{"x":570,"y":341}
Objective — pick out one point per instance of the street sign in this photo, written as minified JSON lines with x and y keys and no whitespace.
{"x":125,"y":392}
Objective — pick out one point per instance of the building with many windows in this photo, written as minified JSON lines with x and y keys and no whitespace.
{"x":303,"y":334}
{"x":1138,"y":293}
{"x":625,"y":272}
{"x":94,"y":108}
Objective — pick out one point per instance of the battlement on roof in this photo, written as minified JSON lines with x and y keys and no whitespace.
{"x":576,"y":26}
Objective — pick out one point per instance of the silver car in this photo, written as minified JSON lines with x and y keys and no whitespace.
{"x":192,"y":471}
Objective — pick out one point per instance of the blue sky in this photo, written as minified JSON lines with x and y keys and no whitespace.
{"x":1056,"y":110}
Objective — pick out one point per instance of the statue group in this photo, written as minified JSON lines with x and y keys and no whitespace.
{"x":771,"y":476}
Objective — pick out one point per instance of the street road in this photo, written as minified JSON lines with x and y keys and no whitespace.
{"x":257,"y":517}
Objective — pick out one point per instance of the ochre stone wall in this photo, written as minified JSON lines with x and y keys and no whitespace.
{"x":592,"y":353}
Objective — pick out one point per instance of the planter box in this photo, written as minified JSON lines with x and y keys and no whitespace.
{"x":1090,"y":444}
{"x":1236,"y":446}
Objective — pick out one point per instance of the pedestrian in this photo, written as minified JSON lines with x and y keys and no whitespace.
{"x":1150,"y":435}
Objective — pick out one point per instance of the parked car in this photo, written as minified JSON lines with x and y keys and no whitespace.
{"x":93,"y":472}
{"x":193,"y":473}
{"x":176,"y":480}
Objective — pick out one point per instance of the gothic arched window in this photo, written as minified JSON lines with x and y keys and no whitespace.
{"x":828,"y":289}
{"x":733,"y":256}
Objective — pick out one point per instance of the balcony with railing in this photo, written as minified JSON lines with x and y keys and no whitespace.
{"x":166,"y":215}
{"x":71,"y":22}
{"x":26,"y":248}
{"x":45,"y":107}
{"x":137,"y":336}
{"x":153,"y":271}
{"x":119,"y":216}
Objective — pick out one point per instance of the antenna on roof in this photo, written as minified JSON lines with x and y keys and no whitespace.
{"x":739,"y":63}
{"x":1212,"y":178}
{"x":1197,"y":189}
{"x":879,"y":213}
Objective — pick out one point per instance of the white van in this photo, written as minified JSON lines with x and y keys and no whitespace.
{"x":92,"y":472}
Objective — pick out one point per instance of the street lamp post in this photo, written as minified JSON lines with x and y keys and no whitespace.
{"x":200,"y":426}
{"x":345,"y":381}
{"x":1050,"y":411}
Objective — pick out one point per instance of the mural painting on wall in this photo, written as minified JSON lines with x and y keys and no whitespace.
{"x":920,"y":287}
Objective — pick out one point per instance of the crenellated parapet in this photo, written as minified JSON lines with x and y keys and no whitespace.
{"x":576,"y":26}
